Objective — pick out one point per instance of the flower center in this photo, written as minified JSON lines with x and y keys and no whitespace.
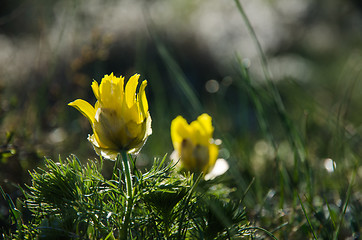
{"x":194,"y":157}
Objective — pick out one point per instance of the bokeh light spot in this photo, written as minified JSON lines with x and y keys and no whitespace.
{"x":212,"y":86}
{"x":329,"y":165}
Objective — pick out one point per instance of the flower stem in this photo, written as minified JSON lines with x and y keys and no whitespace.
{"x":167,"y":227}
{"x":129,"y":190}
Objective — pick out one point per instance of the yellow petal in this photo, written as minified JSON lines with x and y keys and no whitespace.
{"x":120,"y":91}
{"x":106,"y":91}
{"x":179,"y":131}
{"x":133,"y":114}
{"x":205,"y":122}
{"x":106,"y":128}
{"x":95,"y":89}
{"x":85,"y":108}
{"x":133,"y":130}
{"x":107,"y":153}
{"x":202,"y":129}
{"x":142,"y":99}
{"x":130,"y":90}
{"x":213,"y":154}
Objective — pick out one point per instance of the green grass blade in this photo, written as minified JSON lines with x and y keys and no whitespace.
{"x":260,"y":229}
{"x":349,"y":191}
{"x":15,"y":213}
{"x":306,"y":216}
{"x":177,"y":75}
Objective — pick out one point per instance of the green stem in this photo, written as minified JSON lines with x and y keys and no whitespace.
{"x":129,"y":189}
{"x":167,"y":225}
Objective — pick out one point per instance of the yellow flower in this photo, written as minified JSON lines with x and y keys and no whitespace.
{"x":120,"y":118}
{"x":194,"y":144}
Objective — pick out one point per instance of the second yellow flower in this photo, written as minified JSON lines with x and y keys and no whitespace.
{"x":193,"y":143}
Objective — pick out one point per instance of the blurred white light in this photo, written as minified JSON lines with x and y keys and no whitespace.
{"x":359,"y":172}
{"x":246,"y":62}
{"x":261,"y":148}
{"x":217,"y":141}
{"x":227,"y":81}
{"x":221,"y":166}
{"x":57,"y":136}
{"x":212,"y":86}
{"x":329,"y":165}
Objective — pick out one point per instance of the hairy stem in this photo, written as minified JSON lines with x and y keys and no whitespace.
{"x":129,"y":190}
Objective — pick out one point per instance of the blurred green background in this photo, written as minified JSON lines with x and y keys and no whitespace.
{"x":188,"y":50}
